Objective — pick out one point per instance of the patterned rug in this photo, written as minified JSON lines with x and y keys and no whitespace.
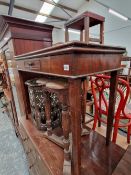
{"x":12,"y":157}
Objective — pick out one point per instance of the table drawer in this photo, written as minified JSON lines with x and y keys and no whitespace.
{"x":32,"y":65}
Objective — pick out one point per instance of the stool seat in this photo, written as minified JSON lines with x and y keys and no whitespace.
{"x":57,"y":85}
{"x":42,"y":81}
{"x":36,"y":82}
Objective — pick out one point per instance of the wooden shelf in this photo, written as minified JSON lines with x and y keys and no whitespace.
{"x":124,"y":166}
{"x":97,"y":158}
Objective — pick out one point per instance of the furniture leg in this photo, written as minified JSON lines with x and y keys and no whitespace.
{"x":37,"y":116}
{"x":102,"y":33}
{"x":99,"y":123}
{"x":112,"y":100}
{"x":81,"y":35}
{"x":75,"y":108}
{"x":66,"y":34}
{"x":83,"y":101}
{"x":66,"y":130}
{"x":115,"y":130}
{"x":48,"y":114}
{"x":66,"y":139}
{"x":86,"y":25}
{"x":83,"y":108}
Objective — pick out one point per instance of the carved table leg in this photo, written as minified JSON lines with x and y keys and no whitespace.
{"x":37,"y":116}
{"x":75,"y":108}
{"x":83,"y":100}
{"x":49,"y":134}
{"x":112,"y":100}
{"x":48,"y":114}
{"x":66,"y":140}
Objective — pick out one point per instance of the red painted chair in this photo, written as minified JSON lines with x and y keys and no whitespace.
{"x":100,"y":85}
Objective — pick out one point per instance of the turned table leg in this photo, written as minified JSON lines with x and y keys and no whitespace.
{"x":66,"y":130}
{"x":83,"y":101}
{"x":75,"y":108}
{"x":48,"y":114}
{"x":112,"y":100}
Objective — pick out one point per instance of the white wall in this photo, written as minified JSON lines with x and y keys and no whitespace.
{"x":113,"y":34}
{"x":59,"y":36}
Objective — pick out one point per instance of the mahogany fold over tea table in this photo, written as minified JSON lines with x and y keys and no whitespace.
{"x":75,"y":61}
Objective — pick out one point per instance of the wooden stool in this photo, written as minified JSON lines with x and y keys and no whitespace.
{"x":83,"y":22}
{"x":60,"y":88}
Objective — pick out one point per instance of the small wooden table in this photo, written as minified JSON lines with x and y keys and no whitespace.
{"x":73,"y":61}
{"x":83,"y":22}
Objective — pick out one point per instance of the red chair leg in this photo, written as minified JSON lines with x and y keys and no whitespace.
{"x":115,"y":131}
{"x":128,"y":134}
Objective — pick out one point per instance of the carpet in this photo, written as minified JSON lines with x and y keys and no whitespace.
{"x":12,"y":157}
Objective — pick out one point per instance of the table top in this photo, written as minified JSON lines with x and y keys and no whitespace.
{"x":73,"y":47}
{"x":72,"y":59}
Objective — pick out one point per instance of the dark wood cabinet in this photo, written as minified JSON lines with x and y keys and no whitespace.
{"x":19,"y":36}
{"x":8,"y":91}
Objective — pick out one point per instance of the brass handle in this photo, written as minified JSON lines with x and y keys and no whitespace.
{"x":31,"y":64}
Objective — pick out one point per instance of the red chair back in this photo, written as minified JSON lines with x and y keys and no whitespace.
{"x":100,"y":88}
